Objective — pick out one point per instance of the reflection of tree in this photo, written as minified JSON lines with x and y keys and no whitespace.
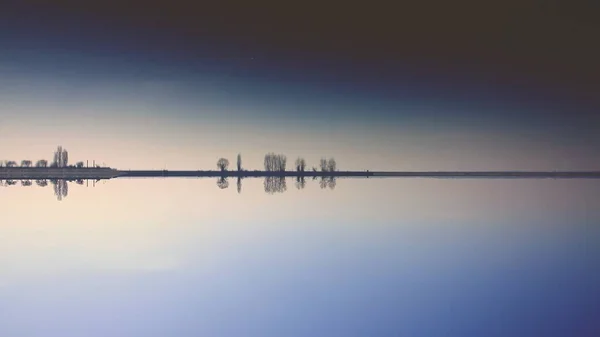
{"x":327,"y":182}
{"x":79,"y":181}
{"x":223,"y":183}
{"x":275,"y":185}
{"x":239,"y":184}
{"x":300,"y":182}
{"x":11,"y":182}
{"x":61,"y":188}
{"x":42,"y":182}
{"x":26,"y":183}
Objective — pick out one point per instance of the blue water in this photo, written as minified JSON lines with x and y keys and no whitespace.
{"x":385,"y":257}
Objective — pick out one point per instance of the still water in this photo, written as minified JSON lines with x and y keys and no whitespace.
{"x":372,"y":257}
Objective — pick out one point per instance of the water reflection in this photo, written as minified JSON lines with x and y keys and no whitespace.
{"x":61,"y":188}
{"x":300,"y":182}
{"x":272,"y":185}
{"x":42,"y":183}
{"x":383,"y":258}
{"x":222,"y":183}
{"x":327,"y":182}
{"x":275,"y":185}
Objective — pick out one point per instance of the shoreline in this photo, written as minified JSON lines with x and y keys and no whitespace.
{"x":18,"y":173}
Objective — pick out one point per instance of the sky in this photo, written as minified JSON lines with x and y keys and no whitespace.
{"x":177,"y":85}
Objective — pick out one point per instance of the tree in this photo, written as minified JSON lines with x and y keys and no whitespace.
{"x":11,"y":163}
{"x":328,"y":165}
{"x":41,"y":163}
{"x":275,"y":162}
{"x":25,"y":163}
{"x":331,"y":165}
{"x":79,"y":164}
{"x":222,"y":164}
{"x":300,"y":164}
{"x":239,"y":162}
{"x":61,"y":157}
{"x":323,"y":164}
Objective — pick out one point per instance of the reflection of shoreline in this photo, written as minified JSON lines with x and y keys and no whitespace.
{"x":60,"y":186}
{"x":108,"y":173}
{"x":38,"y":173}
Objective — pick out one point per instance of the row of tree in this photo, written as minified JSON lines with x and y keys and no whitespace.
{"x":61,"y":159}
{"x":278,"y":162}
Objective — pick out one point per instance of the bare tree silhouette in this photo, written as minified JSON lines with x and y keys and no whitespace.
{"x":275,"y":185}
{"x":323,"y":164}
{"x":222,"y":164}
{"x":25,"y":163}
{"x":61,"y":157}
{"x":11,"y":163}
{"x":327,"y":165}
{"x":300,"y":164}
{"x":239,"y":162}
{"x":331,"y":165}
{"x":275,"y":162}
{"x":41,"y":163}
{"x":223,"y":183}
{"x":79,"y":164}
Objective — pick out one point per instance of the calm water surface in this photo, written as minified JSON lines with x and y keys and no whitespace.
{"x":374,"y":257}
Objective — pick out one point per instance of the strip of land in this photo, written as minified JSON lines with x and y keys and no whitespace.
{"x":18,"y":173}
